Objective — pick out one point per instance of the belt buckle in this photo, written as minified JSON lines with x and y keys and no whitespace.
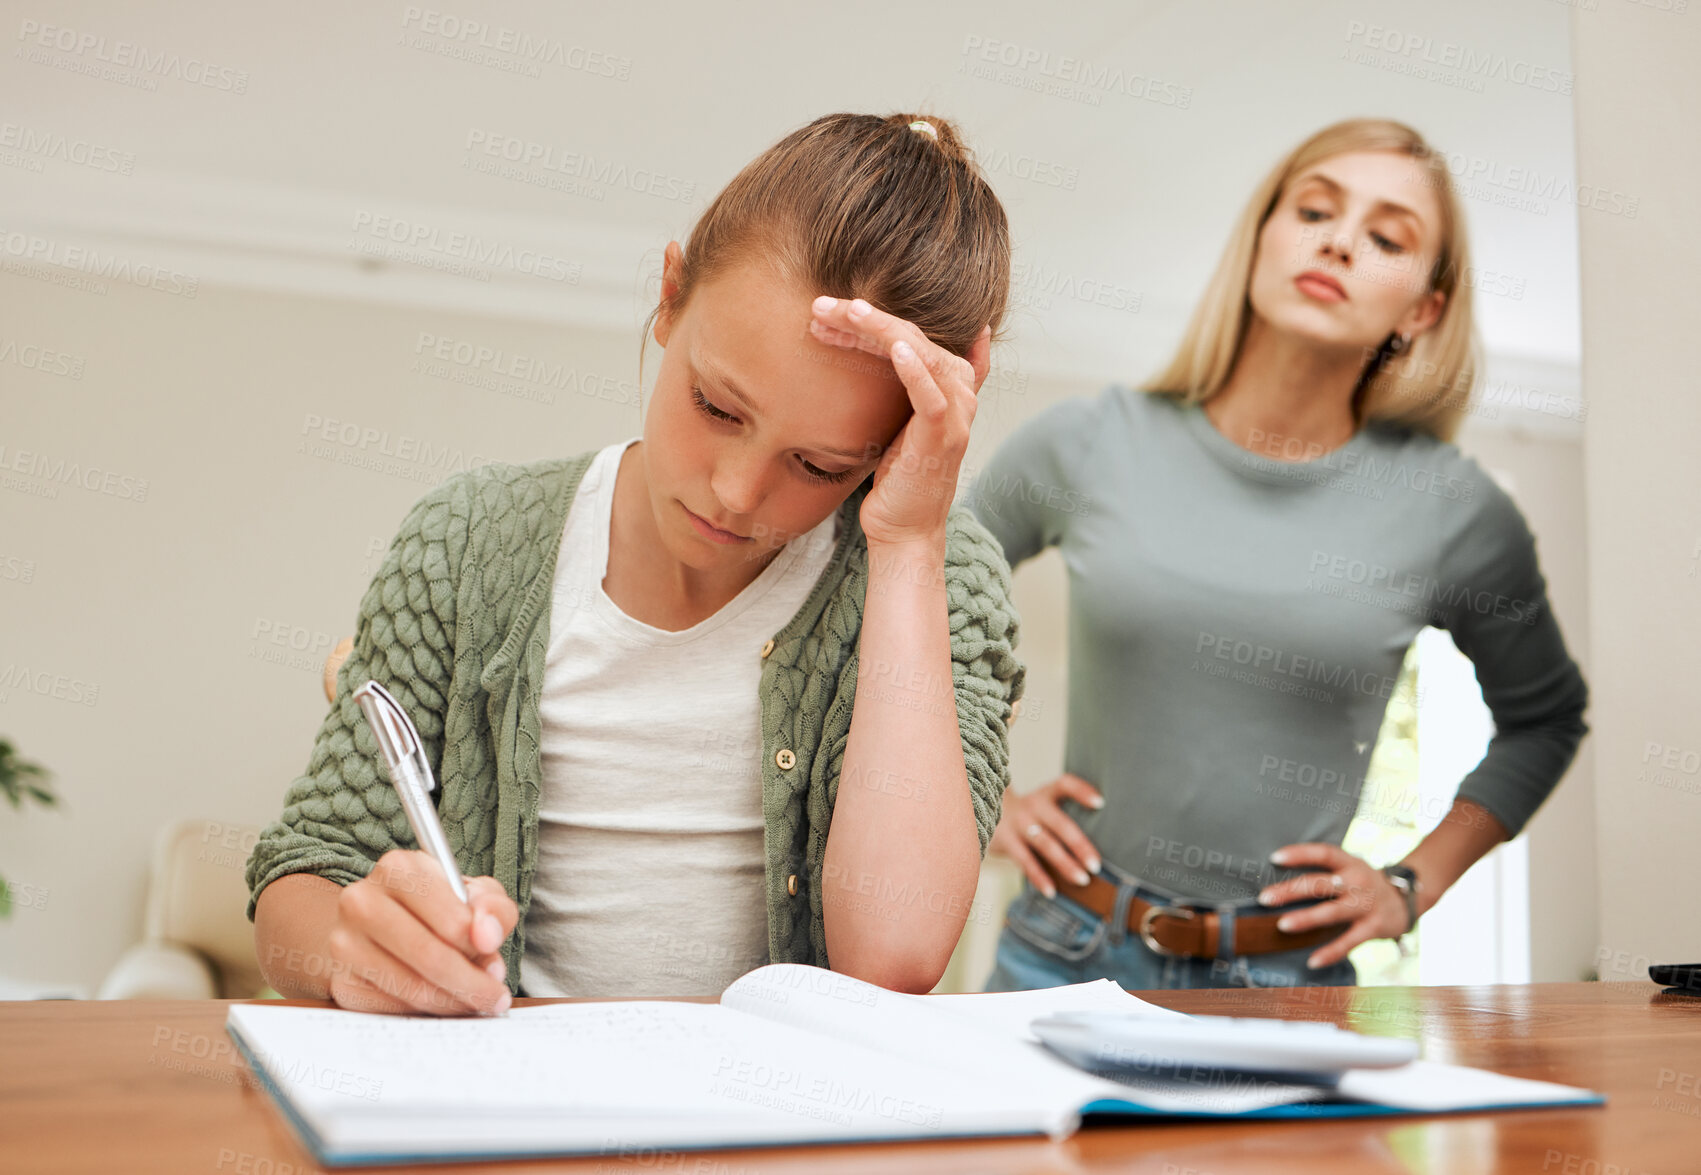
{"x":1145,"y":929}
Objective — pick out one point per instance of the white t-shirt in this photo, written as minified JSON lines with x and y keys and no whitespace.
{"x":650,"y":873}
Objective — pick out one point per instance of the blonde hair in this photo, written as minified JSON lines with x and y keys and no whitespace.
{"x":1427,"y":386}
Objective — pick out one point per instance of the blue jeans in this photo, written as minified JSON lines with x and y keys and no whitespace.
{"x":1048,"y":942}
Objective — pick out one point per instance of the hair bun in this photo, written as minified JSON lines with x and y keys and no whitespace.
{"x":931,"y":127}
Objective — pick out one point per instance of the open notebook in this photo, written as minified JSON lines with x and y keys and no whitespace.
{"x":791,"y":1054}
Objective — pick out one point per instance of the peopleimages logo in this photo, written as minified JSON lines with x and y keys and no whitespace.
{"x":57,"y":471}
{"x":1358,"y":472}
{"x":1030,"y":167}
{"x":1041,"y":71}
{"x":1469,"y":63}
{"x":34,"y":358}
{"x":1295,"y":667}
{"x":47,"y":684}
{"x":1428,"y":595}
{"x":1474,"y":175}
{"x":528,"y":155}
{"x":476,"y":40}
{"x":52,"y":145}
{"x":419,"y":241}
{"x":22,"y":248}
{"x":1031,"y":281}
{"x":403,"y":454}
{"x":1000,"y":488}
{"x":129,"y":55}
{"x":513,"y":373}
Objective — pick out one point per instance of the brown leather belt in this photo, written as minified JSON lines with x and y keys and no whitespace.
{"x":1191,"y":931}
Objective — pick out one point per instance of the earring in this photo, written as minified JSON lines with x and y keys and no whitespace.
{"x":1398,"y":343}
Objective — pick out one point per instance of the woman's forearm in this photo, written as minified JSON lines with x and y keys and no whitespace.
{"x":292,"y":925}
{"x":1464,"y":837}
{"x":903,"y":855}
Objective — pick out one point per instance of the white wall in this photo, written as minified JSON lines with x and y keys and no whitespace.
{"x":1548,"y":485}
{"x":1637,"y":95}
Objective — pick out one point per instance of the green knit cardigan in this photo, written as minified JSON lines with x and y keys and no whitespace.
{"x":455,"y":624}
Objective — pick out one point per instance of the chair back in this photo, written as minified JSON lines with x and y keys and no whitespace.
{"x":198,"y":898}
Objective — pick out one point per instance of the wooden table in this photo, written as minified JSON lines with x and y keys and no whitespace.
{"x":146,"y":1086}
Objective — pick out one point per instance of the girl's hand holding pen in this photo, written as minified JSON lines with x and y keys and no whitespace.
{"x":413,"y":935}
{"x":403,"y":942}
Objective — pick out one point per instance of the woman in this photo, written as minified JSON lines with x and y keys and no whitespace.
{"x":1253,"y":540}
{"x":731,"y":692}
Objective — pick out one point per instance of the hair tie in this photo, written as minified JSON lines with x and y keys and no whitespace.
{"x":921,"y":124}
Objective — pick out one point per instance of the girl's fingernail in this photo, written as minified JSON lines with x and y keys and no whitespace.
{"x":902,"y":350}
{"x":1312,"y":962}
{"x":1284,"y":924}
{"x":824,"y":302}
{"x":858,"y":308}
{"x":503,"y":1004}
{"x":1092,"y":864}
{"x":1049,"y":891}
{"x":1279,"y":857}
{"x":1081,"y":878}
{"x":1266,"y":898}
{"x":1097,"y":801}
{"x":498,"y":970}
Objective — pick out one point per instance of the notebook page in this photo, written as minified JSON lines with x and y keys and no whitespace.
{"x":590,"y":1075}
{"x":1010,"y":1012}
{"x":986,"y":1036}
{"x":1432,"y":1086}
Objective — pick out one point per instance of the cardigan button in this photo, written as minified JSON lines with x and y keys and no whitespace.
{"x":785,"y":759}
{"x":791,"y":885}
{"x":767,"y":648}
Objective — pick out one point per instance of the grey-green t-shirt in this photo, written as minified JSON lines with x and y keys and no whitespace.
{"x":1237,"y":625}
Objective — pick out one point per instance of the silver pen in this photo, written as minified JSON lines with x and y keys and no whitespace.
{"x":404,"y":754}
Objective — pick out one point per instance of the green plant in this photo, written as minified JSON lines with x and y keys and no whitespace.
{"x":20,"y":780}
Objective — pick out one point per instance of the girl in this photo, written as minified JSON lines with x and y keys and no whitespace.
{"x":1253,"y":541}
{"x":731,"y":692}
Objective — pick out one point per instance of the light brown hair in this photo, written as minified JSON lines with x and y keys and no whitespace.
{"x":863,"y":206}
{"x":1426,"y":387}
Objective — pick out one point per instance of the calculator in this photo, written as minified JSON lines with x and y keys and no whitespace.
{"x":1685,"y":976}
{"x":1122,"y":1043}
